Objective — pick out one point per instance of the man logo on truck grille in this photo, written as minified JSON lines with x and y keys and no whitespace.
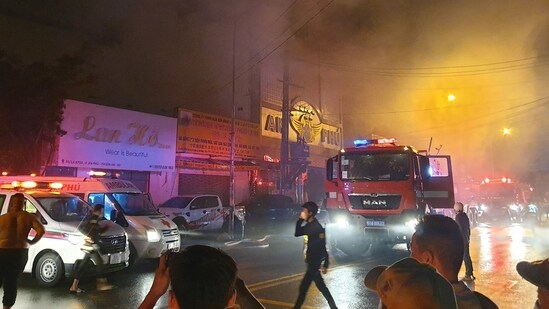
{"x":114,"y":241}
{"x":366,"y":202}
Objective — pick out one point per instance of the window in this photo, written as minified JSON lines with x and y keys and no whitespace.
{"x":62,"y":208}
{"x":29,"y":207}
{"x":2,"y":200}
{"x":211,"y":202}
{"x":439,"y":167}
{"x":177,"y":202}
{"x":199,"y":202}
{"x":375,"y":166}
{"x":99,"y":198}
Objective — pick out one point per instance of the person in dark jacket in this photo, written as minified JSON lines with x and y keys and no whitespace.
{"x":464,"y":226}
{"x":316,"y":255}
{"x":92,"y":230}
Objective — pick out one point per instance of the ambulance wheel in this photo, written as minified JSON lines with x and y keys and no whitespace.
{"x":134,"y":256}
{"x":49,"y":270}
{"x":181,"y":223}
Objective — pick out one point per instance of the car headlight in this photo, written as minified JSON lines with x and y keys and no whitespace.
{"x":342,"y":222}
{"x":153,"y":235}
{"x":75,"y":239}
{"x":514,"y":207}
{"x":483,"y":207}
{"x":412,"y":223}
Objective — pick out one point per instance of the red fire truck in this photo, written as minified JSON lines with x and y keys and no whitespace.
{"x":503,"y":199}
{"x":377,"y":191}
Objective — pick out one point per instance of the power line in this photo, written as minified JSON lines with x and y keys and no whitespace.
{"x":274,"y":49}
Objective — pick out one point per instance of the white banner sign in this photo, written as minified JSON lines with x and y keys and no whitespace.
{"x":102,"y":137}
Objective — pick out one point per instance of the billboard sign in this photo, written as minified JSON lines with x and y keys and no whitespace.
{"x":201,"y":133}
{"x":101,"y":137}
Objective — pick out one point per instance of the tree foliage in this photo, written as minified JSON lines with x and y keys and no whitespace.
{"x":31,"y":108}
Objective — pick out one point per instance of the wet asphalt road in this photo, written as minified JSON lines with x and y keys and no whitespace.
{"x":273,"y":267}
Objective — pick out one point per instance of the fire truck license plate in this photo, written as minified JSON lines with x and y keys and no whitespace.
{"x":375,"y":223}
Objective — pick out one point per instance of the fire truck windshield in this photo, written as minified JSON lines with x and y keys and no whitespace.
{"x":375,"y":166}
{"x":498,"y":190}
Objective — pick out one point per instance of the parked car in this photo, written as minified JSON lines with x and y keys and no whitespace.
{"x":195,"y":212}
{"x":268,"y":213}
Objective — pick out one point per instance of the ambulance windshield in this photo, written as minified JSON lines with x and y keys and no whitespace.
{"x":134,"y":204}
{"x":64,"y":208}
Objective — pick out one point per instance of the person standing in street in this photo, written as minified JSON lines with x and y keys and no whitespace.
{"x":437,"y":241}
{"x":92,"y":229}
{"x":15,"y":226}
{"x":465,"y":227}
{"x":316,"y":256}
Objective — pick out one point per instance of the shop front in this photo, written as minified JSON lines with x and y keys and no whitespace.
{"x":204,"y":151}
{"x":126,"y":144}
{"x":312,"y":141}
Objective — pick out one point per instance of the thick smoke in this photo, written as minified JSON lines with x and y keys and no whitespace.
{"x":391,"y":64}
{"x":401,"y":59}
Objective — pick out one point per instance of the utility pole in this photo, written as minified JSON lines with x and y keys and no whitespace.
{"x":233,"y":125}
{"x":285,"y":127}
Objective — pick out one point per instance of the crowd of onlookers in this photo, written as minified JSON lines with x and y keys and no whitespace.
{"x":206,"y":278}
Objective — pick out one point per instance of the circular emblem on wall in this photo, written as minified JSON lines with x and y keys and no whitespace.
{"x":305,"y":121}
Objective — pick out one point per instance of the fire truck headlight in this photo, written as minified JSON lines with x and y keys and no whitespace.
{"x":412,"y":223}
{"x":514,"y":207}
{"x":483,"y":207}
{"x":153,"y":235}
{"x":342,"y":222}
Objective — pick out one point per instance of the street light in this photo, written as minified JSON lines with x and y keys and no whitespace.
{"x":451,"y":97}
{"x":506,"y":131}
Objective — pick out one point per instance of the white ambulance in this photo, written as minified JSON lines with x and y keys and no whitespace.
{"x":59,"y":252}
{"x":150,"y":233}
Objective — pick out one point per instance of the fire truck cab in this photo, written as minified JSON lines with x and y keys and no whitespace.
{"x":59,"y":252}
{"x":377,"y":191}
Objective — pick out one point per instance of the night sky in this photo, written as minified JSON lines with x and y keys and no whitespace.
{"x":395,"y":62}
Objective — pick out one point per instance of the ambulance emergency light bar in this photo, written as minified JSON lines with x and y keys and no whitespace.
{"x":22,"y":185}
{"x":365,"y":142}
{"x":103,"y":174}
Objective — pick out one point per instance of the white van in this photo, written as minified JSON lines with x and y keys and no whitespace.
{"x":59,"y":252}
{"x":150,"y":233}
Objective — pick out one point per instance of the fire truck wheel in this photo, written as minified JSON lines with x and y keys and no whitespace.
{"x":49,"y":270}
{"x":352,"y":249}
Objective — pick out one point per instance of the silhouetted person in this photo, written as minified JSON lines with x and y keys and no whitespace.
{"x":92,"y":230}
{"x":316,"y":255}
{"x":409,"y":284}
{"x":438,"y":242}
{"x":200,"y":277}
{"x":15,"y":226}
{"x":537,"y":273}
{"x":465,"y":227}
